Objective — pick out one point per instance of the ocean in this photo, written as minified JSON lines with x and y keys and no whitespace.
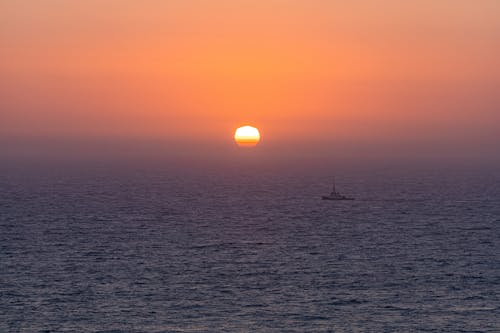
{"x":152,"y":250}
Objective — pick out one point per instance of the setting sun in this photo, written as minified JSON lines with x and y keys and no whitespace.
{"x":247,"y":136}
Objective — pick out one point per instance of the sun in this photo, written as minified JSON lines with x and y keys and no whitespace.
{"x":247,"y":136}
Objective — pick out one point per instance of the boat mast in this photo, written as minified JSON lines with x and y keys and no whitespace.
{"x":333,"y":186}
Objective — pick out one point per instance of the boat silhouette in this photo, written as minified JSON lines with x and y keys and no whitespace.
{"x":334,"y":195}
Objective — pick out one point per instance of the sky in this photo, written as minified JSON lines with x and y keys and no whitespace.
{"x":320,"y":79}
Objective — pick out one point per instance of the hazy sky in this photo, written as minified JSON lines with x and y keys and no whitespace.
{"x":315,"y":76}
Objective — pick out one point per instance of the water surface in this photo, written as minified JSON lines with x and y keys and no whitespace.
{"x":158,"y":251}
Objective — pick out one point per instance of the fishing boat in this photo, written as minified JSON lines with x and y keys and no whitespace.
{"x":335,"y":195}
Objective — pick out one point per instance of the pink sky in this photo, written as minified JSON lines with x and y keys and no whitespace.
{"x":312,"y":75}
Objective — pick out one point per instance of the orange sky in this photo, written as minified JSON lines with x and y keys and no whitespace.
{"x":362,"y":72}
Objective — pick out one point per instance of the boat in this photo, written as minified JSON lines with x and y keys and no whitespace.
{"x":335,"y":195}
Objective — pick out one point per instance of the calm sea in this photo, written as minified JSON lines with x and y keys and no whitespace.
{"x":159,"y":251}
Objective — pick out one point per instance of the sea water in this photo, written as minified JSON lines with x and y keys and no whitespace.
{"x":172,"y":251}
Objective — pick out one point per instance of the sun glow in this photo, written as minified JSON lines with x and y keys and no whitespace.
{"x":247,"y":136}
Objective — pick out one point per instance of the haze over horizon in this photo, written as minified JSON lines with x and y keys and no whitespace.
{"x":323,"y":81}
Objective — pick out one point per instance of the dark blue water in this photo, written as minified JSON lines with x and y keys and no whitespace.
{"x":158,"y":251}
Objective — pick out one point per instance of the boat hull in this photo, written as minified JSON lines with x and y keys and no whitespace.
{"x":335,"y":199}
